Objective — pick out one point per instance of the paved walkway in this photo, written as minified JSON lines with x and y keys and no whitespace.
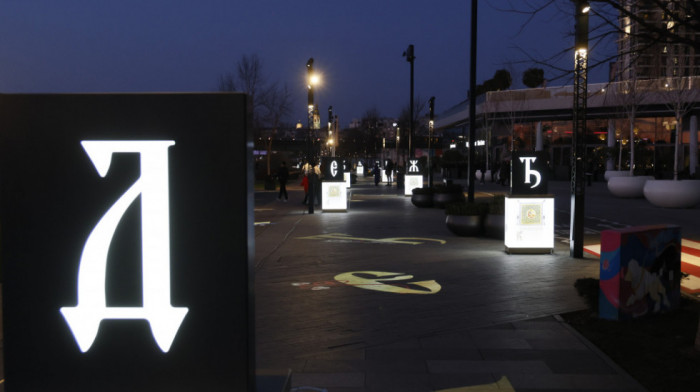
{"x":459,"y":314}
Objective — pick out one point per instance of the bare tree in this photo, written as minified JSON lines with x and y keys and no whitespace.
{"x":267,"y":104}
{"x":678,"y":23}
{"x":681,"y":93}
{"x":629,"y":95}
{"x":276,"y":102}
{"x":248,"y":79}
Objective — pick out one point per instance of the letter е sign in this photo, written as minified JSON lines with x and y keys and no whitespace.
{"x":127,"y":229}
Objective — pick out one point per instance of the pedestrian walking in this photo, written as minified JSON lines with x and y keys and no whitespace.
{"x":305,"y":184}
{"x":389,"y":170}
{"x":282,"y":177}
{"x":504,"y":174}
{"x":377,"y":174}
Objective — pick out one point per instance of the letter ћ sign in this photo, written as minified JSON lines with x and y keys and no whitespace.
{"x":530,"y":173}
{"x":125,"y":232}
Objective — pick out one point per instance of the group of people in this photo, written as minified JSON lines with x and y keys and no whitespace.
{"x":312,"y":175}
{"x":388,"y":172}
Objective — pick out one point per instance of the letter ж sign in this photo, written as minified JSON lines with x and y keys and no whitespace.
{"x":332,"y":169}
{"x":530,"y":173}
{"x":127,"y":242}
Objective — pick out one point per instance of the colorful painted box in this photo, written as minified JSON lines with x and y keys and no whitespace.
{"x":640,"y":271}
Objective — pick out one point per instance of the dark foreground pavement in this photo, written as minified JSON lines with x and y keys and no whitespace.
{"x":471,"y":316}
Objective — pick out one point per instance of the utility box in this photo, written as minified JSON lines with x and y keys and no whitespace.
{"x":640,"y":271}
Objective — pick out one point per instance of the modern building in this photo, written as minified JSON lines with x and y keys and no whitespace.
{"x":641,"y":55}
{"x":654,"y":89}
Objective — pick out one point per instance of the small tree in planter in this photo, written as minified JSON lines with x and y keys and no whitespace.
{"x":466,"y":219}
{"x":422,"y":197}
{"x":445,"y":194}
{"x":494,"y":223}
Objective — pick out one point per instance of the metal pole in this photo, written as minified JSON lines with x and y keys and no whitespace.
{"x":330,"y":132}
{"x":310,"y":140}
{"x":410,"y":57}
{"x":431,"y":123}
{"x":472,"y":101}
{"x":578,"y":148}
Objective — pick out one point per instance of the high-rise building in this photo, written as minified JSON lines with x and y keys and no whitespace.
{"x":643,"y":53}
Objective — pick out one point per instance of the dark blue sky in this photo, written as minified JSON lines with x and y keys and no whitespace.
{"x":184,"y":45}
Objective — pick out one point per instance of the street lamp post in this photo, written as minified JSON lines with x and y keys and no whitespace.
{"x":310,"y":138}
{"x":472,"y":102}
{"x":410,"y":57}
{"x":431,"y":124}
{"x":330,"y":142}
{"x":578,"y":148}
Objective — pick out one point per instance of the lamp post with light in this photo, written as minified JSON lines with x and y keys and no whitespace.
{"x":431,"y":124}
{"x":578,"y":148}
{"x":410,"y":57}
{"x":312,"y":80}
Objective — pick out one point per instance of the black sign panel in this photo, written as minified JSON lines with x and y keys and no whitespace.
{"x":414,"y":167}
{"x":332,"y":169}
{"x":529,"y":173}
{"x":127,"y":232}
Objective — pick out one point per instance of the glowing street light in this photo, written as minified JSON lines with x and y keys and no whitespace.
{"x":578,"y":149}
{"x":312,"y":80}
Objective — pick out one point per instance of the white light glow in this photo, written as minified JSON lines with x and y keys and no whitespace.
{"x":410,"y":182}
{"x":529,"y":223}
{"x":165,"y":320}
{"x":334,"y":196}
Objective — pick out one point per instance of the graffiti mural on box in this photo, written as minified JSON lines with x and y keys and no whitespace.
{"x":639,"y":271}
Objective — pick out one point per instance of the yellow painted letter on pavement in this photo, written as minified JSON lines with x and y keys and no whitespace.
{"x":502,"y":385}
{"x":374,"y":280}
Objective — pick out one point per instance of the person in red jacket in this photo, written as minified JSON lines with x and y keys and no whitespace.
{"x":305,"y":184}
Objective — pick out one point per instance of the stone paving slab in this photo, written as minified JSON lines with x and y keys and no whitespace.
{"x":490,"y":326}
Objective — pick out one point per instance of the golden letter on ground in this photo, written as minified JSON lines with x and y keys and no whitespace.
{"x":375,"y":281}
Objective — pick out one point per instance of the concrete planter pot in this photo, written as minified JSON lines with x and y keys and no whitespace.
{"x":628,"y":186}
{"x":616,"y":173}
{"x":672,"y":193}
{"x":440,"y":198}
{"x":422,"y":199}
{"x":495,"y":226}
{"x":465,"y":225}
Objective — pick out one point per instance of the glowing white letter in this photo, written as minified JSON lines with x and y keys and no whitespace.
{"x":528,"y":172}
{"x":165,"y":320}
{"x":413,"y":168}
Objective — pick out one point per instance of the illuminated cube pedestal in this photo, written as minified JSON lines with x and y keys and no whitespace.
{"x":334,"y":196}
{"x":346,"y":177}
{"x":529,"y":224}
{"x":412,"y":181}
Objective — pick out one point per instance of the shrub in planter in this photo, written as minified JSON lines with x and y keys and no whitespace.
{"x":466,"y":219}
{"x":445,"y":194}
{"x":422,"y":197}
{"x":494,"y":223}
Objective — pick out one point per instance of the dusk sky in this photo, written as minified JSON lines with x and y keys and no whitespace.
{"x":185,"y":45}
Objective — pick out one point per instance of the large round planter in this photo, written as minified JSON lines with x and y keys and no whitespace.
{"x":422,"y":199}
{"x":616,"y":173}
{"x":672,"y":193}
{"x":495,"y":226}
{"x":628,"y":187}
{"x":440,"y":198}
{"x":465,"y":225}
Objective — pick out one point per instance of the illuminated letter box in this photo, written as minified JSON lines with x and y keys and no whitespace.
{"x":640,"y":271}
{"x":126,"y":242}
{"x":334,"y":191}
{"x":529,"y":211}
{"x":413,"y":177}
